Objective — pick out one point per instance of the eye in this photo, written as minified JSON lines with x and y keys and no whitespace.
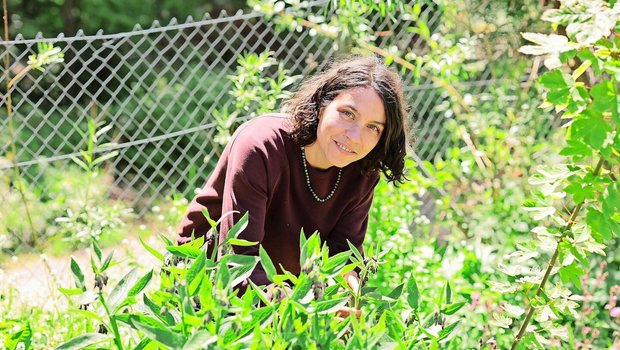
{"x":348,"y":114}
{"x":374,"y":129}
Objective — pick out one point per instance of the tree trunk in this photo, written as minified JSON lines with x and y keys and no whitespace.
{"x":70,"y":16}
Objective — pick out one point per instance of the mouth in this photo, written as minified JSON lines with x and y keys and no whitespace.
{"x":344,"y":148}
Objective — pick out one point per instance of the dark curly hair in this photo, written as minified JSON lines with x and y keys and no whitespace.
{"x":346,"y":73}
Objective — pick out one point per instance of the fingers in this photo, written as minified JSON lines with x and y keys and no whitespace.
{"x":353,"y":281}
{"x":346,"y":311}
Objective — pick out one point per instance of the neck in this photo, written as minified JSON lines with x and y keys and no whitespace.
{"x":314,"y":158}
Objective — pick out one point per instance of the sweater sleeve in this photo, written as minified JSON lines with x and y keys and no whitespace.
{"x":352,"y":224}
{"x":246,"y":190}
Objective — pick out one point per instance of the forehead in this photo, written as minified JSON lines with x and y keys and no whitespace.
{"x":365,"y":101}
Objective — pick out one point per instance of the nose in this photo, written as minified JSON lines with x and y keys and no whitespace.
{"x":354,"y":133}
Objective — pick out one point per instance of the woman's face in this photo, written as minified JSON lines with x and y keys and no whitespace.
{"x":349,"y":128}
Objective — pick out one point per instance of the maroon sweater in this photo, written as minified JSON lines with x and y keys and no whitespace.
{"x":261,"y":172}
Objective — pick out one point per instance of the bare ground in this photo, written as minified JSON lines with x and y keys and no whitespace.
{"x":33,"y":280}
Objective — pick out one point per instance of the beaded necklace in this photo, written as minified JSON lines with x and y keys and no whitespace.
{"x":319,"y":199}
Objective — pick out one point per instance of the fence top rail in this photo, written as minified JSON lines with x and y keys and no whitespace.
{"x":155,"y":28}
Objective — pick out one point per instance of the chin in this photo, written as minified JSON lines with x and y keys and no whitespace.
{"x":341,"y":163}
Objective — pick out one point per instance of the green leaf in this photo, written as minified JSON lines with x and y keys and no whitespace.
{"x":22,"y":336}
{"x":572,"y":273}
{"x":444,"y":333}
{"x":167,"y":241}
{"x":413,"y":294}
{"x":328,"y":306}
{"x":599,"y":225}
{"x":605,"y":97}
{"x":576,"y":148}
{"x":559,"y":97}
{"x":265,"y":260}
{"x":580,"y":191}
{"x":152,"y":250}
{"x":396,"y":292}
{"x":97,"y":249}
{"x":587,"y":55}
{"x":157,"y":331}
{"x":78,"y":274}
{"x":581,"y":69}
{"x":156,"y":310}
{"x":258,"y":318}
{"x":241,"y":242}
{"x":82,"y":165}
{"x":222,"y":277}
{"x":190,"y":249}
{"x":200,"y":340}
{"x":355,"y":251}
{"x":141,"y":284}
{"x":554,"y":79}
{"x":87,"y":157}
{"x":121,"y":291}
{"x":70,"y":291}
{"x":84,"y":340}
{"x":197,"y":269}
{"x":143,"y":344}
{"x":451,"y":309}
{"x":336,"y":263}
{"x":238,"y":227}
{"x":107,"y":261}
{"x":105,"y":157}
{"x":211,"y":222}
{"x":302,"y":288}
{"x":241,"y":272}
{"x":448,"y":293}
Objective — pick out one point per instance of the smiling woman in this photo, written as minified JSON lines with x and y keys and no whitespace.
{"x":313,"y":167}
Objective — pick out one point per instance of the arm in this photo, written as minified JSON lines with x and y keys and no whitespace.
{"x":238,"y":183}
{"x":352,"y":224}
{"x":246,"y":190}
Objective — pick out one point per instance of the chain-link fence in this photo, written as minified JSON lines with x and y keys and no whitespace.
{"x":159,"y":88}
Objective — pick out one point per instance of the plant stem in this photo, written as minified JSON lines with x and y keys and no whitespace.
{"x":569,"y":225}
{"x":358,"y":292}
{"x":117,"y":335}
{"x":11,"y":128}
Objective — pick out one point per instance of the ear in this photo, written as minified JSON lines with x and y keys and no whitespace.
{"x":320,"y":113}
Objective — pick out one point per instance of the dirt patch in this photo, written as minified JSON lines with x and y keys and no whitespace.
{"x":33,"y":280}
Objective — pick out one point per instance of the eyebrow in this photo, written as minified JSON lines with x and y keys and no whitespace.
{"x":356,"y":111}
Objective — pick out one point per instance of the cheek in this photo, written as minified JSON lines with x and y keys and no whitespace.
{"x":374,"y":143}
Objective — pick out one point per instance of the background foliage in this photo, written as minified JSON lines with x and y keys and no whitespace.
{"x":507,"y":238}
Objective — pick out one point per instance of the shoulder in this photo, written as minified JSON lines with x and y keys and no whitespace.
{"x":264,"y":139}
{"x":261,"y":131}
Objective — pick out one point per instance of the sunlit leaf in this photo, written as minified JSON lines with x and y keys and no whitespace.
{"x":84,"y":341}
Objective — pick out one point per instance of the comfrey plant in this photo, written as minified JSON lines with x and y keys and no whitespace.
{"x":198,"y":304}
{"x":578,"y":202}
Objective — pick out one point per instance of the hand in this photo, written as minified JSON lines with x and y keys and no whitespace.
{"x":352,"y":280}
{"x":354,"y":283}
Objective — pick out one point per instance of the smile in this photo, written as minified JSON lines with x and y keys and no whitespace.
{"x":342,"y":147}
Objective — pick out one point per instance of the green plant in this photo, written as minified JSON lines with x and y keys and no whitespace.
{"x":47,"y":54}
{"x":254,"y":92}
{"x":587,"y":181}
{"x":198,"y":303}
{"x":93,"y":217}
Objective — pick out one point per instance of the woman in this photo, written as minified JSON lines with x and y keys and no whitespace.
{"x":314,"y":167}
